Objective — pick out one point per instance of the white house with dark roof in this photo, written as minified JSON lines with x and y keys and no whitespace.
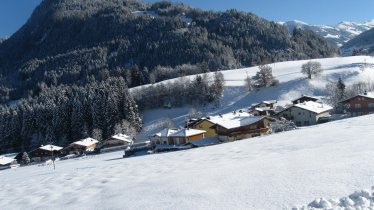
{"x":306,"y":113}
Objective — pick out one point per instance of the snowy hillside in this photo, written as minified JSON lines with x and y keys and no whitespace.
{"x":337,"y":34}
{"x":292,"y":85}
{"x":274,"y":172}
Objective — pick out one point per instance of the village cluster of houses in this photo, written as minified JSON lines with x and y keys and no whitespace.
{"x":257,"y":120}
{"x":84,"y":146}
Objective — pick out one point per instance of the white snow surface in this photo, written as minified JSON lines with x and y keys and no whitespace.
{"x":277,"y":172}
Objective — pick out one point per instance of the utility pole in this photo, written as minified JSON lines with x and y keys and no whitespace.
{"x":53,"y":159}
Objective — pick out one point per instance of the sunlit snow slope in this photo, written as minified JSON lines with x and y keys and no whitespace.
{"x":273,"y":172}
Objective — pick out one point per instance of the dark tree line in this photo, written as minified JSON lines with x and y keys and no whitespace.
{"x":64,"y":114}
{"x":197,"y":91}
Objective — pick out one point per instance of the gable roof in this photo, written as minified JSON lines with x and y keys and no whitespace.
{"x":314,"y":107}
{"x":86,"y":142}
{"x":366,"y":95}
{"x":239,"y":122}
{"x":50,"y":147}
{"x":6,"y":160}
{"x":122,"y":137}
{"x":186,"y":132}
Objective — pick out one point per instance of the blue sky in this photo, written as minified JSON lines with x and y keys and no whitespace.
{"x":14,"y":13}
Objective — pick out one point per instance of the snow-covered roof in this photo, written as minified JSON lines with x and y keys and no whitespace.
{"x":261,"y":109}
{"x":239,"y":122}
{"x":86,"y":142}
{"x":122,"y":137}
{"x":367,"y":95}
{"x":50,"y":147}
{"x":314,"y":107}
{"x":186,"y":132}
{"x":5,"y":160}
{"x":166,"y":132}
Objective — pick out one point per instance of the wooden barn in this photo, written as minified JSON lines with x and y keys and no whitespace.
{"x":45,"y":152}
{"x":82,"y":146}
{"x":360,"y":104}
{"x":116,"y":141}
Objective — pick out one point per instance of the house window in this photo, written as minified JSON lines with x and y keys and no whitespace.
{"x":299,"y":113}
{"x":371,"y":105}
{"x":298,"y":123}
{"x":358,"y":106}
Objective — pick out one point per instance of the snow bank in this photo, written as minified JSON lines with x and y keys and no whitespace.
{"x":363,"y":199}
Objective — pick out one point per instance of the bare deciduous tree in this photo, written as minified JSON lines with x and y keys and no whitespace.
{"x":312,"y":68}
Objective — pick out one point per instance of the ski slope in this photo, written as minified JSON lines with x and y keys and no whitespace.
{"x":293,"y":84}
{"x":279,"y":171}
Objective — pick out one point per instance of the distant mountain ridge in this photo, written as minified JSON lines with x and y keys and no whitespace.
{"x":338,"y":34}
{"x":361,"y":44}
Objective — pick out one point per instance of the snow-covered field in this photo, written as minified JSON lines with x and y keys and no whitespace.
{"x":292,"y":85}
{"x":279,"y":171}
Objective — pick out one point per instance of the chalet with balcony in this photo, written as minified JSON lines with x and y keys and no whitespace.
{"x":360,"y":104}
{"x":242,"y":127}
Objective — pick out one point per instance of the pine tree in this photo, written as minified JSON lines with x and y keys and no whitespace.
{"x":25,"y":158}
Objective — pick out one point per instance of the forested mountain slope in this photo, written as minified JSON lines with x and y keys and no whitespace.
{"x":74,"y":42}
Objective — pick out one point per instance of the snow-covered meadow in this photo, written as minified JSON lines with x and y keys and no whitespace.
{"x":279,"y":171}
{"x":292,"y":85}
